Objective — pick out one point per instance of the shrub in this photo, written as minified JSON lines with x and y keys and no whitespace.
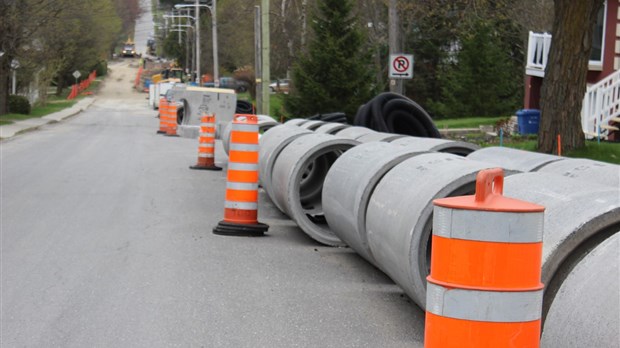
{"x":19,"y":105}
{"x":102,"y":68}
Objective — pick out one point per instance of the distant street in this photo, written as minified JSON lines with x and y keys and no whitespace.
{"x":106,"y":242}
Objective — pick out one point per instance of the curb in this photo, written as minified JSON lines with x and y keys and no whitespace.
{"x":13,"y":129}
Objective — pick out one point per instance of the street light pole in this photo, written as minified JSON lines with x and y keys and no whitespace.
{"x":213,"y":9}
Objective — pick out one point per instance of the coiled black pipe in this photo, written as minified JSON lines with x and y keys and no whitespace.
{"x":336,"y":117}
{"x":244,"y":107}
{"x":394,"y":113}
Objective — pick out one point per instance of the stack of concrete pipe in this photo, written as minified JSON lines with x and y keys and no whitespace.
{"x":294,"y":162}
{"x":526,"y":161}
{"x":376,"y":197}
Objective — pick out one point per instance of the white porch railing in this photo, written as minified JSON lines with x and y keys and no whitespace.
{"x":537,"y":53}
{"x":601,"y":104}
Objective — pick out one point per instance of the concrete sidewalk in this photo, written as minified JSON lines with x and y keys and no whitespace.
{"x":15,"y":128}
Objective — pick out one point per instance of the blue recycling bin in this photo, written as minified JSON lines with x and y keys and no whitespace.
{"x":528,"y":120}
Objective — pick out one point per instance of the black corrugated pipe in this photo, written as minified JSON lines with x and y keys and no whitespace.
{"x":394,"y":113}
{"x":244,"y":107}
{"x":338,"y":117}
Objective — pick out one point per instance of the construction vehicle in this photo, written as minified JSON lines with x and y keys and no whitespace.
{"x":129,"y":48}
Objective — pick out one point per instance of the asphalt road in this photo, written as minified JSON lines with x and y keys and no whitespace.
{"x":144,"y":27}
{"x":106,"y":242}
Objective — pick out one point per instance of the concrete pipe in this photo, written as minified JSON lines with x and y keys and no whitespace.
{"x":199,"y":100}
{"x":513,"y":159}
{"x":399,"y":215}
{"x":575,"y":217}
{"x":378,"y":136}
{"x":585,"y":311}
{"x":585,"y":170}
{"x":271,"y":144}
{"x":348,"y":186}
{"x":296,"y":122}
{"x":354,"y":132}
{"x":331,"y":128}
{"x":264,"y":124}
{"x":297,"y":181}
{"x":312,"y":125}
{"x":460,"y":148}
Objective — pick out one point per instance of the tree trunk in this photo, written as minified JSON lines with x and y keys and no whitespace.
{"x":565,"y":78}
{"x":4,"y":85}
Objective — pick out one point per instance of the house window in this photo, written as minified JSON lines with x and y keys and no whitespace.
{"x":598,"y":38}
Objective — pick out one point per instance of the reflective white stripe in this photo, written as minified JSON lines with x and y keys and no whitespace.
{"x":245,"y":127}
{"x":206,"y":145}
{"x":242,"y":186}
{"x":240,"y":205}
{"x":488,"y":226}
{"x":248,"y":167}
{"x":243,"y":147}
{"x":490,"y":306}
{"x":207,"y":135}
{"x":207,"y":125}
{"x":205,"y":155}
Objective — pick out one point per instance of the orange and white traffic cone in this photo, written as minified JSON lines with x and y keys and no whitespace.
{"x":163,"y":116}
{"x":172,"y":120}
{"x":206,"y":145}
{"x":241,"y":205}
{"x":484,"y":288}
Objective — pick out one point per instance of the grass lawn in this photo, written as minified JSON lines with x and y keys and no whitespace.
{"x":470,"y":122}
{"x":275,"y":103}
{"x":603,"y":151}
{"x":53,"y":104}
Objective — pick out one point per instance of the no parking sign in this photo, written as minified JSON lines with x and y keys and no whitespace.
{"x":401,"y":66}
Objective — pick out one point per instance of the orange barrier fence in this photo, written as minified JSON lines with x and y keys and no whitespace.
{"x":138,"y":76}
{"x":81,"y":86}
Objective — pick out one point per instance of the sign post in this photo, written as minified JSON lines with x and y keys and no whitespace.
{"x":77,"y":75}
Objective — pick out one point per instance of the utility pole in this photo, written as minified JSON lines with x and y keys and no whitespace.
{"x":257,"y":61}
{"x":396,"y":85}
{"x":187,"y":46}
{"x":216,"y":69}
{"x":198,"y":78}
{"x":265,"y":78}
{"x":179,"y":33}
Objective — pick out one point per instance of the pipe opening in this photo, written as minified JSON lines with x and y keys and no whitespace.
{"x":427,"y":232}
{"x":311,"y":185}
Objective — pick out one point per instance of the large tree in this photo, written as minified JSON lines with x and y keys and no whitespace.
{"x":565,"y":77}
{"x":21,"y":22}
{"x":335,"y":74}
{"x":54,"y":38}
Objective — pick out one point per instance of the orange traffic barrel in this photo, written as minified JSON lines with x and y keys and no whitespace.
{"x":163,"y":116}
{"x":241,"y":202}
{"x":171,"y":130}
{"x":484,"y":287}
{"x":206,"y":144}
